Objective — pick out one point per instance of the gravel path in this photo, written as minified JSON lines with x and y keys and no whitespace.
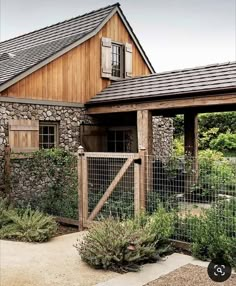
{"x":190,"y":275}
{"x":53,"y":263}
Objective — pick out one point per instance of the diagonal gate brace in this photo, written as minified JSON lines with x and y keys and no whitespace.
{"x":111,"y":187}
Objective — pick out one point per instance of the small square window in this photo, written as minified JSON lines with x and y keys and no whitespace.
{"x":48,"y":134}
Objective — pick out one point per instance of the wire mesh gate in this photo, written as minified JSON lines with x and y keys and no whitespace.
{"x":110,"y":184}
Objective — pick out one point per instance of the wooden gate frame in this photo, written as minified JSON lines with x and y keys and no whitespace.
{"x":139,"y":160}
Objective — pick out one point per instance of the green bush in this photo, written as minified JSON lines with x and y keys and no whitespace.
{"x":4,"y":207}
{"x":211,"y":240}
{"x":178,"y":146}
{"x":124,"y":246}
{"x":205,"y":137}
{"x":216,"y":174}
{"x":224,"y":142}
{"x":27,"y":225}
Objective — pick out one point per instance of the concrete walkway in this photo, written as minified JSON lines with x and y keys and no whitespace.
{"x":150,"y":272}
{"x":55,"y":263}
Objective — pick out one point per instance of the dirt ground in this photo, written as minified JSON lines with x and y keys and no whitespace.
{"x":190,"y":275}
{"x":53,"y":263}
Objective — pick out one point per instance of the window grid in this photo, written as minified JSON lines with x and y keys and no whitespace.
{"x":47,"y":136}
{"x":118,"y":141}
{"x":116,"y":60}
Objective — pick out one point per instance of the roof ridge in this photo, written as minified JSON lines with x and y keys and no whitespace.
{"x":117,"y":4}
{"x":177,"y":70}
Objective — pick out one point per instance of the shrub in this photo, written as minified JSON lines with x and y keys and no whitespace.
{"x":205,"y":137}
{"x":216,"y":174}
{"x":210,"y":239}
{"x":213,"y":234}
{"x":27,"y":225}
{"x":124,"y":246}
{"x":224,"y":142}
{"x":4,"y":207}
{"x":178,"y":146}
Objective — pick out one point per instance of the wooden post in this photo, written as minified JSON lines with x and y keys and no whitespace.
{"x":191,"y":133}
{"x":143,"y":179}
{"x":85,"y":188}
{"x":80,"y":188}
{"x":145,"y":142}
{"x":7,"y":172}
{"x":137,"y":199}
{"x":144,"y":130}
{"x":191,"y":149}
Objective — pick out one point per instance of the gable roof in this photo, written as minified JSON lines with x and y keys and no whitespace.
{"x":211,"y":78}
{"x":36,"y":49}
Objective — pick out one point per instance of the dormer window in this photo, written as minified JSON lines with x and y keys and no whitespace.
{"x":116,"y":59}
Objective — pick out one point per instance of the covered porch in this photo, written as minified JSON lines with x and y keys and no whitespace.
{"x":190,"y":92}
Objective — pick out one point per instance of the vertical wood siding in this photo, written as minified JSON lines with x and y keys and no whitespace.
{"x":76,"y":76}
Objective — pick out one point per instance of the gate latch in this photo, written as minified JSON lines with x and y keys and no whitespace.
{"x":138,"y":161}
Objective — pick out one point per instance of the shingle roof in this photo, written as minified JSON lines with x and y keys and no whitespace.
{"x":174,"y":83}
{"x":32,"y":48}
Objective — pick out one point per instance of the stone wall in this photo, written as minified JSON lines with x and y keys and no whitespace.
{"x":69,"y":119}
{"x":162,"y":137}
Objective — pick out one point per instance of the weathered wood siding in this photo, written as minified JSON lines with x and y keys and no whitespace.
{"x":76,"y":76}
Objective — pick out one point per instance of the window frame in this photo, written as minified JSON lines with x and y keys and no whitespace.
{"x":53,"y":124}
{"x":132,"y":130}
{"x":122,"y":60}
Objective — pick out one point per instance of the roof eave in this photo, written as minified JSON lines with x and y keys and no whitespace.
{"x":165,"y":96}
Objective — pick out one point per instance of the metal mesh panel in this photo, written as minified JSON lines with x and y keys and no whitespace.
{"x":188,"y":187}
{"x":102,"y":169}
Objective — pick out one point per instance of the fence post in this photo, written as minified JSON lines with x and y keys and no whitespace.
{"x":7,"y":172}
{"x":143,"y":182}
{"x":137,"y":165}
{"x":80,"y":187}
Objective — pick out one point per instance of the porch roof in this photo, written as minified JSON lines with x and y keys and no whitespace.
{"x":180,"y":83}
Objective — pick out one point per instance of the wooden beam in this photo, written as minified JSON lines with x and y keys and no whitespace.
{"x":144,"y":130}
{"x":110,"y":189}
{"x":191,"y":133}
{"x":163,"y":104}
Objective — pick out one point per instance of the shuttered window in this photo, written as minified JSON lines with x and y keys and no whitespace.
{"x":24,"y":135}
{"x":116,"y":59}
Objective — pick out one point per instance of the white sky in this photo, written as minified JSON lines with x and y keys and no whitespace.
{"x":174,"y":33}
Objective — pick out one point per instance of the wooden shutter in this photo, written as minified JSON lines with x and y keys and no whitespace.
{"x":128,"y":60}
{"x":93,"y":138}
{"x":106,"y":57}
{"x":24,"y":135}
